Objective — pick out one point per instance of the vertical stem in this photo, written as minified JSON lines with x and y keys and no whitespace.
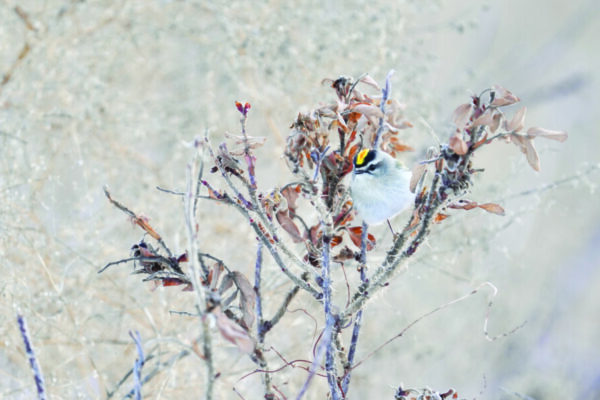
{"x":137,"y":366}
{"x":385,"y":94}
{"x":260,"y":323}
{"x":258,"y":307}
{"x":207,"y":350}
{"x":329,"y":318}
{"x":358,"y":320}
{"x":313,"y":367}
{"x":195,"y":269}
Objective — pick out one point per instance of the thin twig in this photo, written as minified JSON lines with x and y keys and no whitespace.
{"x":385,"y":93}
{"x":282,"y":309}
{"x":137,"y":366}
{"x":33,"y":363}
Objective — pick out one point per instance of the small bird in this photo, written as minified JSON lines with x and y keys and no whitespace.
{"x":380,"y":186}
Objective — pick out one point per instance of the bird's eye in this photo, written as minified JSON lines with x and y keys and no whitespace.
{"x":372,"y":167}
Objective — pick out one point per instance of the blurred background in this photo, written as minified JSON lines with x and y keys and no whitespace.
{"x":96,"y":93}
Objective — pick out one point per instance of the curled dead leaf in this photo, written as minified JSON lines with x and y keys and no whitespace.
{"x":369,"y":81}
{"x":368,"y":110}
{"x":417,"y":173}
{"x":503,"y":97}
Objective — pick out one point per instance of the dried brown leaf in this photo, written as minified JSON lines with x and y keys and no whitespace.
{"x":417,"y":173}
{"x":492,"y":208}
{"x":142,"y":222}
{"x":397,"y":126}
{"x":247,"y":297}
{"x":458,"y":145}
{"x":461,"y":115}
{"x":480,"y":141}
{"x":291,"y":194}
{"x":368,"y":110}
{"x":355,"y":233}
{"x":439,"y":217}
{"x":253,"y":141}
{"x":370,"y":81}
{"x":287,"y":223}
{"x":525,"y":143}
{"x":503,"y":97}
{"x":535,"y":131}
{"x":490,"y":118}
{"x":463,"y":205}
{"x":336,"y":240}
{"x":234,"y":333}
{"x":343,"y":255}
{"x":517,"y":121}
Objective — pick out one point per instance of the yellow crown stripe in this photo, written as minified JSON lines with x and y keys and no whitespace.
{"x":360,"y":158}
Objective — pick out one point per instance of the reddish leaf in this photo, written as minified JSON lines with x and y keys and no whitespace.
{"x":439,"y":217}
{"x":481,"y":141}
{"x":314,"y":234}
{"x":355,"y":233}
{"x":242,"y":108}
{"x":291,"y":194}
{"x":182,"y":258}
{"x":336,"y":240}
{"x":354,"y":117}
{"x":350,"y":139}
{"x":341,"y":123}
{"x":172,"y":282}
{"x":287,"y":223}
{"x":353,"y":150}
{"x":463,"y":204}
